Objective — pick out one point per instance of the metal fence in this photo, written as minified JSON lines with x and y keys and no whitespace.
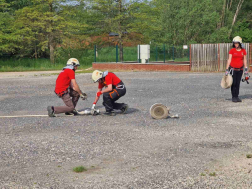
{"x":213,"y":57}
{"x":165,"y":53}
{"x":158,"y":53}
{"x":202,"y":57}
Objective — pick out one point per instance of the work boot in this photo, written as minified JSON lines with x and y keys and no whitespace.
{"x":69,"y":114}
{"x":234,"y":99}
{"x":110,"y":113}
{"x":50,"y":110}
{"x":238,"y":100}
{"x":74,"y":112}
{"x":124,"y":108}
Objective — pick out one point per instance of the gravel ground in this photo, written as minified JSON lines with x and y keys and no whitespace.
{"x":205,"y":148}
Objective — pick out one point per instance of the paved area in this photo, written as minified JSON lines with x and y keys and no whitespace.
{"x":7,"y":75}
{"x":205,"y":148}
{"x":27,"y":74}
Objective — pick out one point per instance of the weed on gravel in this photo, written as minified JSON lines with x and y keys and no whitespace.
{"x":79,"y":169}
{"x":249,"y":155}
{"x":213,"y":174}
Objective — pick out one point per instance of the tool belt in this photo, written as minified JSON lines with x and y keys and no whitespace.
{"x":236,"y":69}
{"x":115,"y":93}
{"x":120,"y":85}
{"x":61,"y":94}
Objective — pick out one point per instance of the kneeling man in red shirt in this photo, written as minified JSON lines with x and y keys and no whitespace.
{"x":67,"y":89}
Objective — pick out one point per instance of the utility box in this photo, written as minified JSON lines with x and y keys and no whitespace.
{"x":143,"y":53}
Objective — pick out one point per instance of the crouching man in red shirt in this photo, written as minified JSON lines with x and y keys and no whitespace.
{"x":114,"y":89}
{"x":67,"y":89}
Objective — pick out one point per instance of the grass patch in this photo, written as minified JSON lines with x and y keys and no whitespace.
{"x":178,"y":54}
{"x":14,"y":65}
{"x":108,"y":54}
{"x":42,"y":64}
{"x":27,"y":64}
{"x":213,"y":174}
{"x":79,"y":169}
{"x":181,"y":59}
{"x":202,"y":174}
{"x":249,"y":155}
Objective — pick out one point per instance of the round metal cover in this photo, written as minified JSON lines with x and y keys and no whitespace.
{"x":226,"y":81}
{"x":159,"y":111}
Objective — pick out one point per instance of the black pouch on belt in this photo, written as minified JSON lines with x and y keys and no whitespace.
{"x":115,"y":93}
{"x":120,"y":86}
{"x":61,"y":94}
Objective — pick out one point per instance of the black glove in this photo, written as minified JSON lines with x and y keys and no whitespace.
{"x":227,"y":72}
{"x":83,"y":96}
{"x":246,"y":72}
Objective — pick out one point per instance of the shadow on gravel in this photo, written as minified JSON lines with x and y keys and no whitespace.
{"x":216,"y":145}
{"x":132,"y":110}
{"x":248,"y":96}
{"x":129,"y":111}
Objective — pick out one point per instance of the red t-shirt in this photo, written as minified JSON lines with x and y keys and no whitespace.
{"x":64,"y":79}
{"x":237,"y":57}
{"x":111,"y":78}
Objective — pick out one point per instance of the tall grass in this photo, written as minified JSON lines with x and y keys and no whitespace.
{"x":27,"y":64}
{"x":130,"y":54}
{"x":176,"y":53}
{"x":108,"y":54}
{"x":85,"y":58}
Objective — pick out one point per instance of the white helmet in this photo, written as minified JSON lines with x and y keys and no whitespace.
{"x":73,"y":62}
{"x":237,"y":39}
{"x":96,"y":75}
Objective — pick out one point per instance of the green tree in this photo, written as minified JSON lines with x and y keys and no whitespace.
{"x":8,"y":39}
{"x":44,"y":24}
{"x":196,"y":21}
{"x":121,"y":17}
{"x":36,"y":28}
{"x":243,"y":26}
{"x":183,"y":22}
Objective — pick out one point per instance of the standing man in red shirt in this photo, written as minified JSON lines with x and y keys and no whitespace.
{"x":236,"y":62}
{"x":67,"y":89}
{"x":114,"y":89}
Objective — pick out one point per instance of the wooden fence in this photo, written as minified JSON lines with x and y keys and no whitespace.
{"x":213,"y":57}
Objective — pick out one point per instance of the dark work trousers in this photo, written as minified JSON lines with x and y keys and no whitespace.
{"x":237,"y":75}
{"x":70,"y":99}
{"x":109,"y":98}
